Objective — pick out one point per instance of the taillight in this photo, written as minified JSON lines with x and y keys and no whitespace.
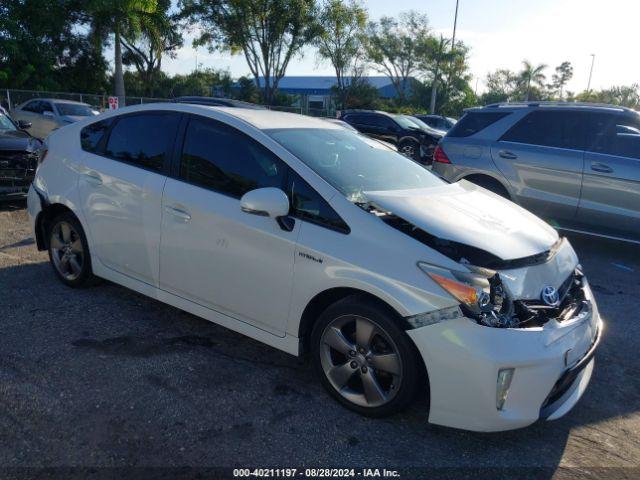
{"x":439,"y":155}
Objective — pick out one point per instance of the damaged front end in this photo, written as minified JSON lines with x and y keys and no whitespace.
{"x":504,"y":293}
{"x":17,"y":170}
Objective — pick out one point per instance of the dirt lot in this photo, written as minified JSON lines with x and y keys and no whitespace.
{"x":105,"y":377}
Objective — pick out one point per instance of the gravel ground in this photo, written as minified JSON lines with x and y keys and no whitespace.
{"x":104,"y":377}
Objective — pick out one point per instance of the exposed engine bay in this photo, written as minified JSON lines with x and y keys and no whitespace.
{"x":489,"y":291}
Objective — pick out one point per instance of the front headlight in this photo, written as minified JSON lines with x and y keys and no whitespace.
{"x":479,"y":291}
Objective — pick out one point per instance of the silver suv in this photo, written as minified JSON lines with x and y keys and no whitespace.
{"x":576,"y":165}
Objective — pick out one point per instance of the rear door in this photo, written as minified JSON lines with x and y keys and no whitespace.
{"x":542,"y":157}
{"x":124,"y":170}
{"x":212,"y":252}
{"x":610,"y":201}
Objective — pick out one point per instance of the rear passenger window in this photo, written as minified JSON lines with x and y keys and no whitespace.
{"x":92,"y":135}
{"x":615,"y":135}
{"x":473,"y":122}
{"x":220,"y":157}
{"x":307,"y":204}
{"x":143,"y":139}
{"x":550,"y":129}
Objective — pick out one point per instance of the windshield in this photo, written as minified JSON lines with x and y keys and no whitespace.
{"x":406,"y":121}
{"x":352,"y":163}
{"x":74,"y":110}
{"x":6,"y":123}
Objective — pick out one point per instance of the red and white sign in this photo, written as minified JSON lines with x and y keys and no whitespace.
{"x":113,"y":103}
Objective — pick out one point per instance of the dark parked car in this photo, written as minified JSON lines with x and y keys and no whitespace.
{"x":18,"y":158}
{"x":410,"y":138}
{"x":217,"y":102}
{"x":439,"y":122}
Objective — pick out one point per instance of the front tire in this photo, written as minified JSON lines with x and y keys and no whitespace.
{"x":69,"y":251}
{"x":364,"y":359}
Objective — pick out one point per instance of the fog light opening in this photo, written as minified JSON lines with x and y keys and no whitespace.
{"x":502,"y":387}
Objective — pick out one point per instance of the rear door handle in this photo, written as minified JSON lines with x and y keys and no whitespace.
{"x":178,"y":213}
{"x":601,"y":167}
{"x":507,"y":154}
{"x":93,"y":178}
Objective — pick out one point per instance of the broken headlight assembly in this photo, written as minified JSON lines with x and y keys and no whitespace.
{"x":480,"y":291}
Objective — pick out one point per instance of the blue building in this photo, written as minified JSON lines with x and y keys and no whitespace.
{"x":315,"y":92}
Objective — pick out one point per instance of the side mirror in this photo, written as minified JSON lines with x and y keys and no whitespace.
{"x":47,"y":113}
{"x":24,"y":125}
{"x":265,"y":202}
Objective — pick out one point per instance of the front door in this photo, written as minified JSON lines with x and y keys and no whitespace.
{"x":121,"y":193}
{"x":542,"y":157}
{"x":610,"y":201}
{"x":212,"y":252}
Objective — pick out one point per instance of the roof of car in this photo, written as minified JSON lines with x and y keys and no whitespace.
{"x":552,"y":104}
{"x":57,"y":100}
{"x":217,"y":101}
{"x":269,"y":119}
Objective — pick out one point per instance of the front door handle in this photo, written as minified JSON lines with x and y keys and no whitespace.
{"x":178,"y":213}
{"x":601,"y":167}
{"x":507,"y":154}
{"x":93,"y":178}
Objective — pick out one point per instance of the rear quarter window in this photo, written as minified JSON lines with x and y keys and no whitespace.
{"x":474,"y":122}
{"x":91,"y":136}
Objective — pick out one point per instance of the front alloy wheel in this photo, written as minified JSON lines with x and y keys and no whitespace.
{"x":364,"y":357}
{"x":361,"y":361}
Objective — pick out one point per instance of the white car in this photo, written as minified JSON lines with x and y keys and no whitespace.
{"x":311,"y":238}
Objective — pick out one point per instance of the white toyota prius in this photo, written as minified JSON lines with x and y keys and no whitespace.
{"x":316,"y":240}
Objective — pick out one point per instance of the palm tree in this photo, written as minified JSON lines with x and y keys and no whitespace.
{"x":531,"y":75}
{"x":121,"y":17}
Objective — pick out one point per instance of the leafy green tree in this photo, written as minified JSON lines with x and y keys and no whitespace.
{"x":564,"y":74}
{"x":360,"y":94}
{"x":268,"y":32}
{"x":122,"y":18}
{"x":42,"y":48}
{"x":396,"y":46}
{"x":501,"y":84}
{"x":246,"y":90}
{"x":623,"y":95}
{"x":160,"y":35}
{"x":531,"y":76}
{"x":341,"y":25}
{"x":454,"y":76}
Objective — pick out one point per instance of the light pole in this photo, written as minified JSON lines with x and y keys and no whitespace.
{"x":593,"y":59}
{"x":434,"y":87}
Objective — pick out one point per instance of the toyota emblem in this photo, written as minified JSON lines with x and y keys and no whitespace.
{"x":549,"y":296}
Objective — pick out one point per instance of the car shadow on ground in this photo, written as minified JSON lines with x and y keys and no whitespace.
{"x":126,"y":377}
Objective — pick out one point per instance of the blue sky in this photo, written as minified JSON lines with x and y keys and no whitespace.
{"x":501,"y":33}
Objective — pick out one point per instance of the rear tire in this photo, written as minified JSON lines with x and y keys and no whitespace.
{"x":364,"y":358}
{"x":411,"y":149}
{"x":69,"y":251}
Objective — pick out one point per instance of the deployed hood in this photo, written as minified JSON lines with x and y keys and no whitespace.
{"x":17,"y":140}
{"x":467,"y":214}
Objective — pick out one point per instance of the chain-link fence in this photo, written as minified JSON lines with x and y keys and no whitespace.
{"x":10,"y":98}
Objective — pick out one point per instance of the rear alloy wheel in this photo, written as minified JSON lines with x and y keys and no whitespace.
{"x":68,"y":251}
{"x":364,"y":359}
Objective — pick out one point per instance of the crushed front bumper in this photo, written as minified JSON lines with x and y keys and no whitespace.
{"x":552,"y":368}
